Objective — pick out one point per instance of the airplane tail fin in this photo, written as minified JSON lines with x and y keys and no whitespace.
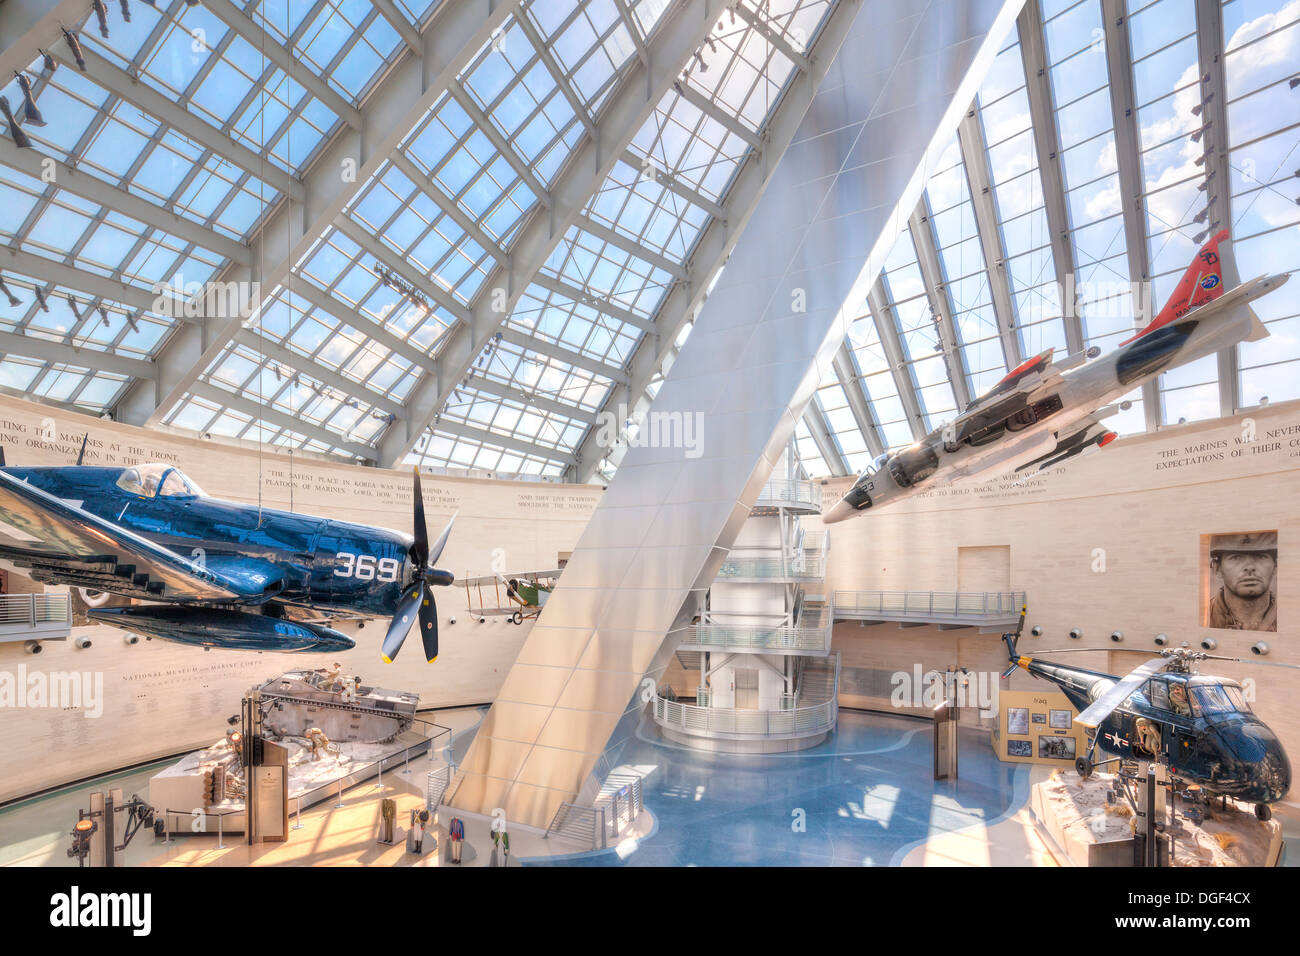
{"x":1201,"y":283}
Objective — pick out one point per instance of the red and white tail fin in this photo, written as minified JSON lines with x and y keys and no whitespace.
{"x":1201,"y":283}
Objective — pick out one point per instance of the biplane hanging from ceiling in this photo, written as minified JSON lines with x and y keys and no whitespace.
{"x":518,"y":596}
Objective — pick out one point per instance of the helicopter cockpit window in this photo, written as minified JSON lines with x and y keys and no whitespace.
{"x":1212,"y":699}
{"x":1158,"y":694}
{"x":158,"y":480}
{"x":1178,"y":701}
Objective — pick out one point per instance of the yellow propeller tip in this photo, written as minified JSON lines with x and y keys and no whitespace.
{"x":432,"y":659}
{"x":387,"y":660}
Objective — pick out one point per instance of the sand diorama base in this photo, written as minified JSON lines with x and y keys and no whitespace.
{"x":1085,"y":829}
{"x":181,"y":789}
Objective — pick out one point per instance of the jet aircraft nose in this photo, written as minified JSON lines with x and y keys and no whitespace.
{"x":838,"y":512}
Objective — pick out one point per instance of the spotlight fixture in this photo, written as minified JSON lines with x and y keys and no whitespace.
{"x":30,"y":113}
{"x":47,"y":62}
{"x":75,"y":47}
{"x":40,"y":299}
{"x":1200,"y":236}
{"x":1209,"y":644}
{"x":82,"y":642}
{"x":130,"y":320}
{"x":1259,"y":648}
{"x":1162,"y":640}
{"x":126,"y":10}
{"x":14,"y":301}
{"x":103,"y":315}
{"x":19,"y":137}
{"x":101,"y":12}
{"x":1036,"y":631}
{"x":1117,"y":636}
{"x":1201,"y":216}
{"x":1075,"y":634}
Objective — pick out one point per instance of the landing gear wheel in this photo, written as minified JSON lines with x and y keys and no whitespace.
{"x":517,"y":617}
{"x":1083,"y":767}
{"x":1263,"y":812}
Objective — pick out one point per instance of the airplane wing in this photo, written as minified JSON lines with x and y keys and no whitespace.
{"x":530,"y":576}
{"x":1100,"y":708}
{"x":62,"y":544}
{"x":1090,"y":435}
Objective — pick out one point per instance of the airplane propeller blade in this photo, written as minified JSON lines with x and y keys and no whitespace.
{"x":403,"y":618}
{"x":441,"y":543}
{"x":429,"y":624}
{"x":420,"y":549}
{"x":81,"y":455}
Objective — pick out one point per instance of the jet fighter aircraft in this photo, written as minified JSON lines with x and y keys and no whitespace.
{"x":1044,"y":413}
{"x":1198,"y":725}
{"x":216,"y":573}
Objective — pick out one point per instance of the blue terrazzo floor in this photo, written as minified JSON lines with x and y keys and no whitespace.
{"x":864,"y":797}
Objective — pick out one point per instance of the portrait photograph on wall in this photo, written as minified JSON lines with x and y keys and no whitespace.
{"x":1239,"y":581}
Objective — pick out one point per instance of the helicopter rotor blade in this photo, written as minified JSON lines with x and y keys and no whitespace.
{"x":1249,"y":660}
{"x":1101,"y":708}
{"x":1085,"y":650}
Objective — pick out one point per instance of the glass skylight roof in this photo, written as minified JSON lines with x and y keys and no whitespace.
{"x":193,"y":124}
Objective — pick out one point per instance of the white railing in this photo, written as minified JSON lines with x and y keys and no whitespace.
{"x":438,"y":781}
{"x":990,"y":604}
{"x":18,"y":610}
{"x":808,"y":563}
{"x":706,"y":721}
{"x":812,"y":633}
{"x":789,"y":492}
{"x":582,"y":825}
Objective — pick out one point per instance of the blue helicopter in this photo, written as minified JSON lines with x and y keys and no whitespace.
{"x":216,"y":573}
{"x":1199,"y":726}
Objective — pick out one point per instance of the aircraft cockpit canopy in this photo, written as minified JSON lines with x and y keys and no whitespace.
{"x":1196,"y":699}
{"x":1210,"y":699}
{"x":158,"y":480}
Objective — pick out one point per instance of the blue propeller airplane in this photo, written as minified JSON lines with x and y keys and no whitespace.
{"x":1198,"y":725}
{"x":216,"y":573}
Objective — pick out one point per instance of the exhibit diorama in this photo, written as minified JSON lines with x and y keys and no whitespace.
{"x":649,"y":433}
